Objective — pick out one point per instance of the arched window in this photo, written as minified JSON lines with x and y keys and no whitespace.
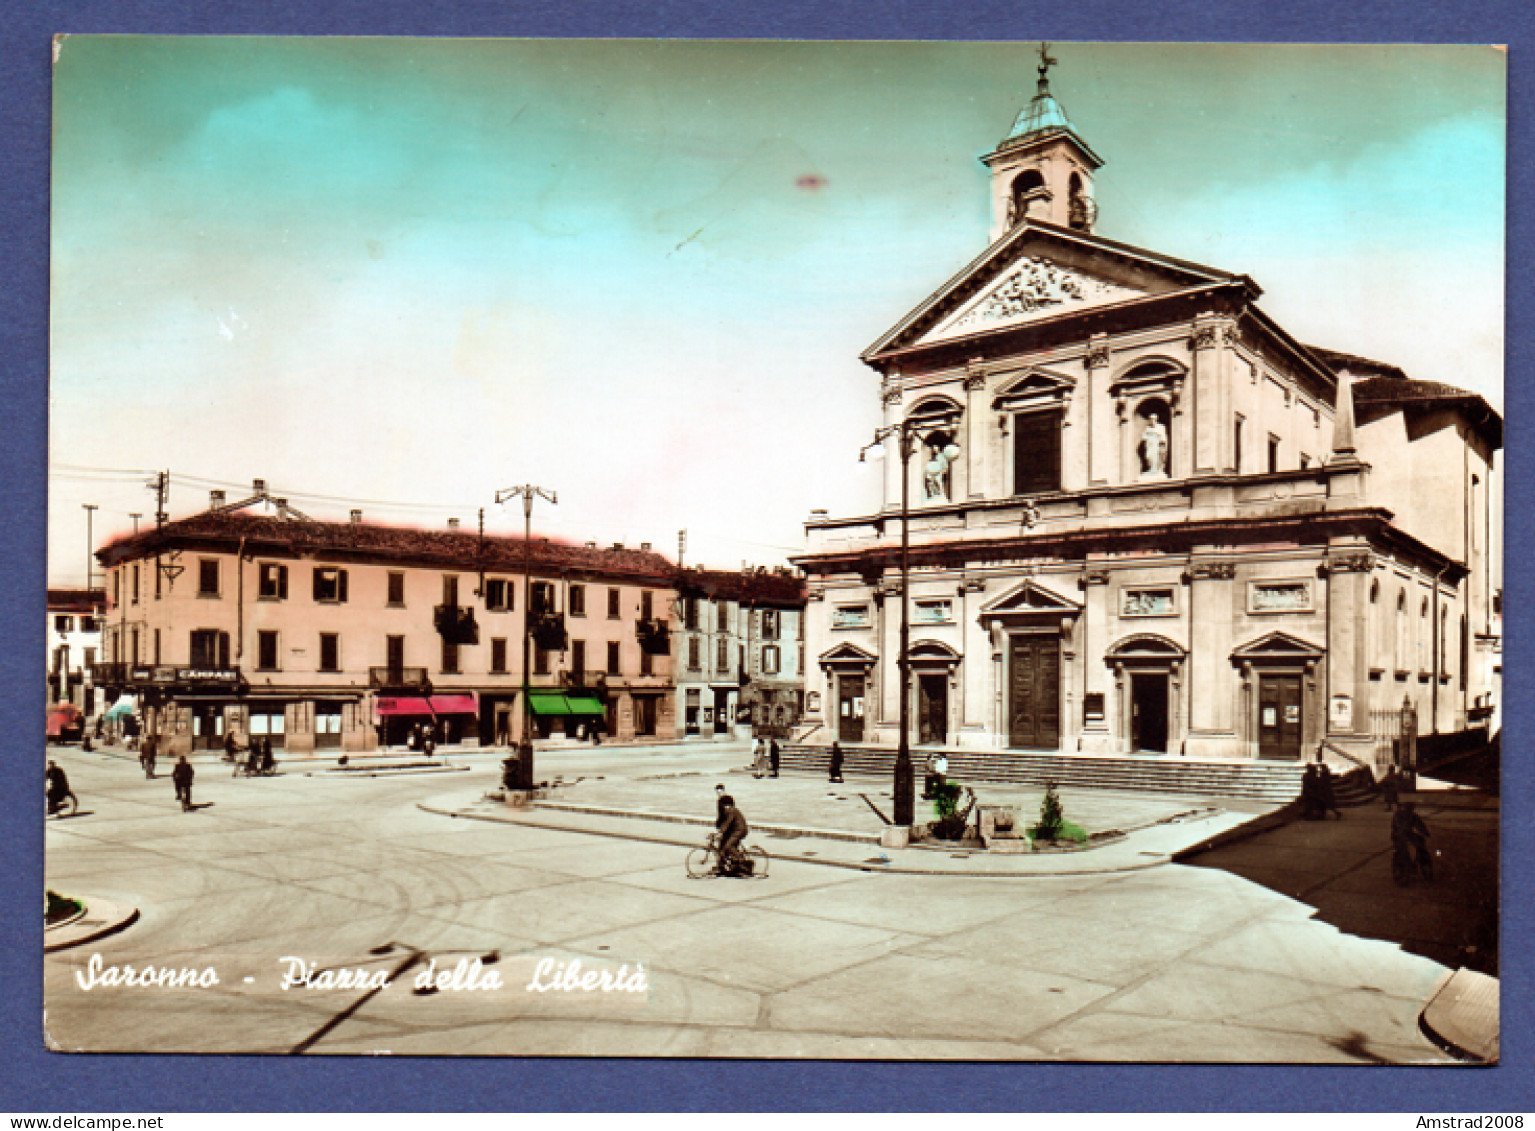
{"x":1376,"y":623}
{"x":1028,"y":185}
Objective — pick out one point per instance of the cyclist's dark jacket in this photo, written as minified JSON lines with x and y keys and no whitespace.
{"x":735,"y":826}
{"x":56,"y":783}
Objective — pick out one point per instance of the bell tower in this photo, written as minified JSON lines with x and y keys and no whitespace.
{"x":1042,"y":170}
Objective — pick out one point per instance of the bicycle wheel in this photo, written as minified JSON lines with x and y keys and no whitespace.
{"x":67,"y":806}
{"x":759,"y":859}
{"x":700,"y":863}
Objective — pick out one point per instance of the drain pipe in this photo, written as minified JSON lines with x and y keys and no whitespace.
{"x":1438,"y":644}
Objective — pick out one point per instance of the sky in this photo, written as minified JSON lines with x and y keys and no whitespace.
{"x":402,"y":274}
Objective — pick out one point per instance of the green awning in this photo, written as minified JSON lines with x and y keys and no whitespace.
{"x":552,"y":703}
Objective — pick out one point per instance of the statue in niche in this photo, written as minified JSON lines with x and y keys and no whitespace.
{"x":1154,"y":449}
{"x":938,"y":476}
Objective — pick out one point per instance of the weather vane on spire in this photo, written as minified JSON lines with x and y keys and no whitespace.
{"x":1046,"y":61}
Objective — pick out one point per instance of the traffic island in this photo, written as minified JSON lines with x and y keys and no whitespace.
{"x":72,"y":920}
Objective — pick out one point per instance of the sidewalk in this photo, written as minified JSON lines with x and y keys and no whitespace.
{"x":802,"y":818}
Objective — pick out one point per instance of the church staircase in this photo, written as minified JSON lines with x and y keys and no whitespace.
{"x":1257,"y":781}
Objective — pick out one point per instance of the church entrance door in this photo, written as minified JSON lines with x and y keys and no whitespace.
{"x":850,"y":708}
{"x":933,"y":709}
{"x":1279,"y":717}
{"x":1034,"y":692}
{"x":1148,"y":712}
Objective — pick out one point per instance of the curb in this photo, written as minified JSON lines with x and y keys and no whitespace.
{"x":1246,"y":831}
{"x":101,"y":917}
{"x":855,"y":866}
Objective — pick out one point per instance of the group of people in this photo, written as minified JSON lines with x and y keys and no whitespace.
{"x":258,"y":755}
{"x":423,"y":738}
{"x":765,"y":757}
{"x":1317,"y":797}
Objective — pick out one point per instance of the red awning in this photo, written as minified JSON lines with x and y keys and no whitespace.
{"x":435,"y":705}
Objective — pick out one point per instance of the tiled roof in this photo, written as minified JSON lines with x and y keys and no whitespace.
{"x":756,"y":587}
{"x":75,"y":600}
{"x":1356,"y":365}
{"x":1374,"y":397}
{"x":447,"y":549}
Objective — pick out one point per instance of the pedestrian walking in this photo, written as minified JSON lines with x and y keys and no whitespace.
{"x":1391,"y":789}
{"x":1326,"y":799}
{"x":1310,"y":798}
{"x":181,"y":777}
{"x":147,"y":755}
{"x":773,"y":755}
{"x":835,"y":771}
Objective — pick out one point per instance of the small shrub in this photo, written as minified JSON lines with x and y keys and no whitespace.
{"x":946,"y":799}
{"x":1050,"y":816}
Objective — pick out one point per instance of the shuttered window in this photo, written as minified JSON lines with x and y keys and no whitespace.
{"x":1036,"y":453}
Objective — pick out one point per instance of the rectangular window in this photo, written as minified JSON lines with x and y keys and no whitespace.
{"x":541,"y":598}
{"x":133,"y":653}
{"x":1236,"y":445}
{"x":207,"y":577}
{"x":1036,"y":453}
{"x":613,"y":665}
{"x":210,"y":648}
{"x":770,"y":624}
{"x":647,"y":664}
{"x":500,"y":595}
{"x":63,"y":624}
{"x":330,"y":652}
{"x":578,"y":600}
{"x":90,"y":624}
{"x":266,"y":651}
{"x":612,"y":604}
{"x":850,"y":616}
{"x":722,"y":656}
{"x":647,"y":606}
{"x":933,"y":612}
{"x":330,"y":585}
{"x":396,"y":595}
{"x":690,"y":613}
{"x":695,"y":661}
{"x":1273,"y":454}
{"x":1305,"y":461}
{"x":272,"y":581}
{"x":135,"y":585}
{"x":721,"y":616}
{"x":450,"y":589}
{"x":498,"y":655}
{"x":540,"y":661}
{"x":394,"y":657}
{"x":449,"y":658}
{"x":577,"y":657}
{"x":770,"y":659}
{"x":117,"y":595}
{"x":88,"y":651}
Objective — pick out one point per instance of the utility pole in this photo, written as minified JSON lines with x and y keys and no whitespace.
{"x":527,"y":493}
{"x":90,"y":546}
{"x":682,"y":546}
{"x":162,"y":488}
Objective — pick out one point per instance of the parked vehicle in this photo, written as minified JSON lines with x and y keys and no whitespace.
{"x":66,"y":723}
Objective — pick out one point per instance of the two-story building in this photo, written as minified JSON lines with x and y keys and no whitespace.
{"x":1142,"y":516}
{"x":350,"y":635}
{"x":737,"y":655}
{"x":74,"y":642}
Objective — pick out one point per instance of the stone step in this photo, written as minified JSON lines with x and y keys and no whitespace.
{"x":1255,"y":780}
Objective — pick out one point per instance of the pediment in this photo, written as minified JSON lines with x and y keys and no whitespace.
{"x":846,"y":653}
{"x":1037,"y":385}
{"x":1030,"y":598}
{"x":1039,"y":271}
{"x":1276,"y":645}
{"x":1032,"y":288}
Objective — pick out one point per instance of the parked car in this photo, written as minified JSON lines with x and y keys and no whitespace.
{"x":66,"y":723}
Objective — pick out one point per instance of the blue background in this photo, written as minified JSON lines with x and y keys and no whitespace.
{"x":34,"y":1080}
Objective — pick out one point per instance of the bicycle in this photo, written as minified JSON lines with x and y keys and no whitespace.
{"x":1405,"y":869}
{"x":747,"y":861}
{"x":65,"y":807}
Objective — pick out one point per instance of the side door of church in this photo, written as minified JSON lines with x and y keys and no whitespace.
{"x":1034,"y":692}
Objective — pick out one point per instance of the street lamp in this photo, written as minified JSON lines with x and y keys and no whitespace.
{"x":90,"y":559}
{"x":527,"y":492}
{"x":903,"y":793}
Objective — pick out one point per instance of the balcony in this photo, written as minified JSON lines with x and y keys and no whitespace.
{"x":596,"y":681}
{"x":548,"y":631}
{"x":654,"y":635}
{"x":387,"y":678}
{"x":456,"y":624}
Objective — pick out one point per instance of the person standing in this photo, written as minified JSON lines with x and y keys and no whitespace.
{"x":1391,"y":788}
{"x":1327,"y":801}
{"x":182,"y":776}
{"x":147,"y":754}
{"x":835,"y":772}
{"x":773,"y":754}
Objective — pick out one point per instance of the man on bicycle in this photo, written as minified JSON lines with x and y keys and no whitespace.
{"x":731,"y":833}
{"x":56,"y":786}
{"x":1409,"y":835}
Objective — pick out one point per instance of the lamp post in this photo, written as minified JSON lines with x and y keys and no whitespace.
{"x":903,"y":799}
{"x":90,"y":570}
{"x":527,"y":492}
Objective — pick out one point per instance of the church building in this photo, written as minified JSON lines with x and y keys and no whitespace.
{"x":1143,"y":517}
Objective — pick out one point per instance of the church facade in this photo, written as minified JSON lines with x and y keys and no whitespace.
{"x":1143,"y":517}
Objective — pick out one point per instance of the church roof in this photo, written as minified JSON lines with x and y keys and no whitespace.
{"x":1375,"y":397}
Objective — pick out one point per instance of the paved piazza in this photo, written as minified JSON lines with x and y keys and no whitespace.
{"x":1166,"y":963}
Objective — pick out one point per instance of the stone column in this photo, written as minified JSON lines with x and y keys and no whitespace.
{"x":890,"y":392}
{"x":1209,"y":345}
{"x":1212,"y":681}
{"x":1093,"y":631}
{"x":970,"y":477}
{"x":1348,"y":632}
{"x":1101,"y":427}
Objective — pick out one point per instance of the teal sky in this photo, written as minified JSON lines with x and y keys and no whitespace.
{"x":640,"y":273}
